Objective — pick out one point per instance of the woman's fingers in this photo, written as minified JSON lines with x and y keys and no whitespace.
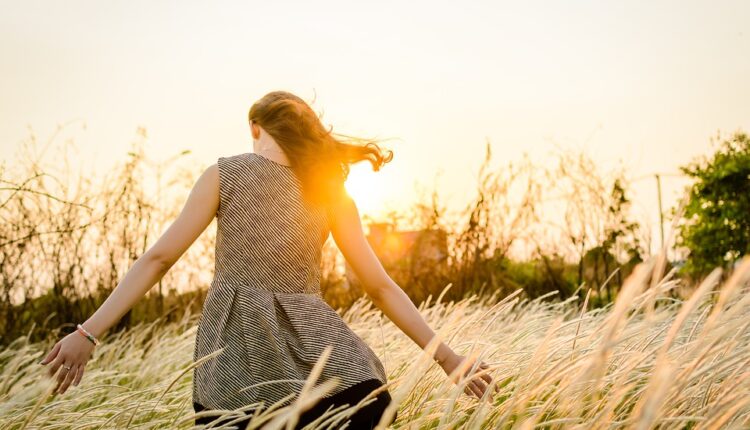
{"x":63,"y":374}
{"x":69,"y":376}
{"x":478,"y":378}
{"x":469,"y":390}
{"x":487,"y":378}
{"x":475,"y":389}
{"x":478,"y":383}
{"x":79,"y":375}
{"x":52,"y":354}
{"x":55,"y":365}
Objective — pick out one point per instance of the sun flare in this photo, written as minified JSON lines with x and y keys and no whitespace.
{"x":366,"y":188}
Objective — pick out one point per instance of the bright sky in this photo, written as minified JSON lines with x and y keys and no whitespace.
{"x":644,"y":82}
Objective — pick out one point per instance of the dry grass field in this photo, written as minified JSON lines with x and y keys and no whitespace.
{"x":649,"y":360}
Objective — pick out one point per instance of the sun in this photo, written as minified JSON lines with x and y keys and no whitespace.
{"x":366,"y":188}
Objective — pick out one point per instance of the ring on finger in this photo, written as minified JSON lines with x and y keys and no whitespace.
{"x":67,"y":367}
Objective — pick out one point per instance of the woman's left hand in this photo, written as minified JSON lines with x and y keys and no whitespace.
{"x":70,"y":355}
{"x":477,"y":385}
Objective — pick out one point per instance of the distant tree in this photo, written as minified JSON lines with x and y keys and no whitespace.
{"x":620,"y":248}
{"x":598,"y":229}
{"x":716,"y":223}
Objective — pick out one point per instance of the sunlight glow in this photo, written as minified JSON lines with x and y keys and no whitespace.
{"x":367,"y":189}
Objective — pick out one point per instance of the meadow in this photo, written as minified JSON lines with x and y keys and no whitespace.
{"x":585,"y":329}
{"x":647,"y":360}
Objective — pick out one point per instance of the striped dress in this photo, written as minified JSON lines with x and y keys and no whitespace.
{"x":264,"y":306}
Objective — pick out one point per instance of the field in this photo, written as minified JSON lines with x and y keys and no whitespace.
{"x":649,"y":360}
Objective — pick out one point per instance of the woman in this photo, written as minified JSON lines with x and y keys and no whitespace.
{"x":275,"y":208}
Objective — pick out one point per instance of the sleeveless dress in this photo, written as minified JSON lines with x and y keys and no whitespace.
{"x":264,"y":306}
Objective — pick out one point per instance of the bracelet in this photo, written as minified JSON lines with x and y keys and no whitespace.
{"x":87,"y":335}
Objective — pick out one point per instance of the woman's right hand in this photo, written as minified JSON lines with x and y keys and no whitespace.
{"x":478,"y":384}
{"x":70,"y":354}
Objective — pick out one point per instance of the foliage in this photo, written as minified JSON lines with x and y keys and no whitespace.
{"x":716,"y":222}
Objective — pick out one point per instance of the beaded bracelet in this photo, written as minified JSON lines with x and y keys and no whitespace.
{"x":87,"y":335}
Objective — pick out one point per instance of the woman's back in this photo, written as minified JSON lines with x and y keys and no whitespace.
{"x":268,"y":237}
{"x":264,"y":305}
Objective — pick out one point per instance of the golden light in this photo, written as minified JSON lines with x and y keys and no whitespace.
{"x":366,"y":188}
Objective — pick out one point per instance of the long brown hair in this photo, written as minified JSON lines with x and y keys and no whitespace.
{"x":319,"y":157}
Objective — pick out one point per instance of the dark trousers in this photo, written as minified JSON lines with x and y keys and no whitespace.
{"x":365,"y":418}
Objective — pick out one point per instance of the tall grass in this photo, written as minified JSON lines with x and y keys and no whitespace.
{"x":648,"y":360}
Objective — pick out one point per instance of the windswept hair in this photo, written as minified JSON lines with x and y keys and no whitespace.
{"x":319,"y":157}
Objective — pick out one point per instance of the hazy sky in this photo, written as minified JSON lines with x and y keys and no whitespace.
{"x":644,"y":82}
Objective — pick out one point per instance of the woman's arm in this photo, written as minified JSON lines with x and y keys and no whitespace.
{"x":347,"y":232}
{"x":199,"y":210}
